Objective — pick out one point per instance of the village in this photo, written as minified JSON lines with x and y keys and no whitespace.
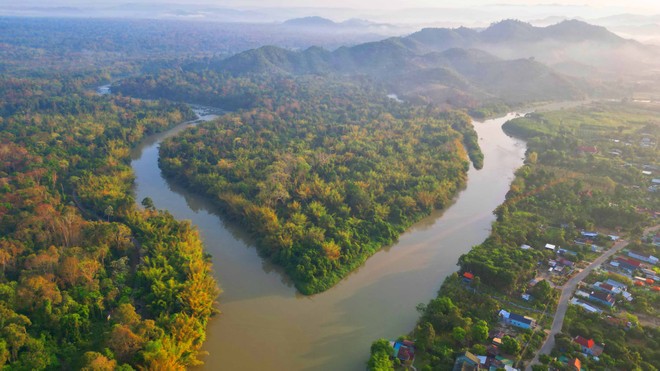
{"x":568,"y":279}
{"x":606,"y":283}
{"x":608,"y":290}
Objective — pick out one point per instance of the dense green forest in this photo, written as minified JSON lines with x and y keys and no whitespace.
{"x":583,"y":171}
{"x":324,"y":173}
{"x":87,"y":280}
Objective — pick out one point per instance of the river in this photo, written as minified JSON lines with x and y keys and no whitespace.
{"x":266,"y":325}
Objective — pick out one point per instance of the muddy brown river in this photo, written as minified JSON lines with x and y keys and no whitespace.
{"x":266,"y":325}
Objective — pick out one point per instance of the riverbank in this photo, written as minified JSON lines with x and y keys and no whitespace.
{"x":573,"y":180}
{"x":263,"y":314}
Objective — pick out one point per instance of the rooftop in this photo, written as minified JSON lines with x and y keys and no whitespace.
{"x":584,"y":342}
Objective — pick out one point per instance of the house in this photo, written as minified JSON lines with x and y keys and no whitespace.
{"x":404,"y":350}
{"x":589,"y":234}
{"x":550,"y":246}
{"x":468,"y":277}
{"x":492,"y":350}
{"x":589,"y":346}
{"x":585,"y":306}
{"x":628,"y":264}
{"x":616,"y":284}
{"x":525,"y":247}
{"x":566,"y":252}
{"x":602,"y":298}
{"x":643,"y":257}
{"x":574,"y":364}
{"x":467,"y":362}
{"x":587,"y":149}
{"x":618,"y":322}
{"x":607,"y":288}
{"x":517,"y":320}
{"x":565,"y":262}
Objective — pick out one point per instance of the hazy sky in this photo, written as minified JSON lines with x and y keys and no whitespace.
{"x":652,"y":5}
{"x":633,"y":5}
{"x":446,"y":13}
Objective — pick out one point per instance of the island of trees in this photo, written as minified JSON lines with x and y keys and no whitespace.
{"x":324,"y":173}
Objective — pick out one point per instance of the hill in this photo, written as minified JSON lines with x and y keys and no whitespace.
{"x":470,"y":73}
{"x":310,"y":22}
{"x":509,"y":62}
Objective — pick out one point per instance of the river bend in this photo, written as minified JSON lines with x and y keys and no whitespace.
{"x":266,"y":325}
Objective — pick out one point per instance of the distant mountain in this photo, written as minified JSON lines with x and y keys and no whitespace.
{"x":510,"y":61}
{"x":473,"y":74}
{"x":515,"y":32}
{"x":570,"y":41}
{"x":574,"y":30}
{"x":310,"y":22}
{"x":510,"y":31}
{"x":349,"y":25}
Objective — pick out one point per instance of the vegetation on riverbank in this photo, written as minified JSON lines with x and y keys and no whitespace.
{"x":87,"y":280}
{"x":325,"y":173}
{"x":584,"y":171}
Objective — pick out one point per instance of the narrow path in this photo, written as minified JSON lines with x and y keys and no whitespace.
{"x":566,"y":292}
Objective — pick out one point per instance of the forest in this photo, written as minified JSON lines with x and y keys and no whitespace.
{"x":89,"y":280}
{"x":560,"y":191}
{"x":315,"y":161}
{"x":324,"y":173}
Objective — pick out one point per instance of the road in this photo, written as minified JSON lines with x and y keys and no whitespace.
{"x":566,"y":292}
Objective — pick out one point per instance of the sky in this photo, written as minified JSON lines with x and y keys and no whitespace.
{"x":471,"y":13}
{"x":633,"y":5}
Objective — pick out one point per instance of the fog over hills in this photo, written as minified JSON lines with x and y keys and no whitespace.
{"x":511,"y":60}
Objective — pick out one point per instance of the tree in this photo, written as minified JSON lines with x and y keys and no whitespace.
{"x":4,"y":353}
{"x":109,"y":211}
{"x":480,"y":331}
{"x":125,"y":314}
{"x":381,"y":350}
{"x":35,"y":356}
{"x":124,"y":342}
{"x":16,"y":336}
{"x":93,"y":361}
{"x":510,"y":345}
{"x":458,"y":334}
{"x":425,"y":335}
{"x":532,"y":157}
{"x":148,"y":203}
{"x":542,"y":291}
{"x":380,"y":362}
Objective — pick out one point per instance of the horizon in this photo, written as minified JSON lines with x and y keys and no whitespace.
{"x":637,"y":19}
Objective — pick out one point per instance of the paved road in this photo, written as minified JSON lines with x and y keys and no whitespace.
{"x":566,"y":292}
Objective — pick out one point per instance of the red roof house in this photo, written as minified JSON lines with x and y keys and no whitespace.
{"x":584,"y":342}
{"x":589,"y":346}
{"x":588,"y":149}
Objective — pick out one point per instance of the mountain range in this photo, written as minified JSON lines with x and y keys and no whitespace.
{"x":510,"y":61}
